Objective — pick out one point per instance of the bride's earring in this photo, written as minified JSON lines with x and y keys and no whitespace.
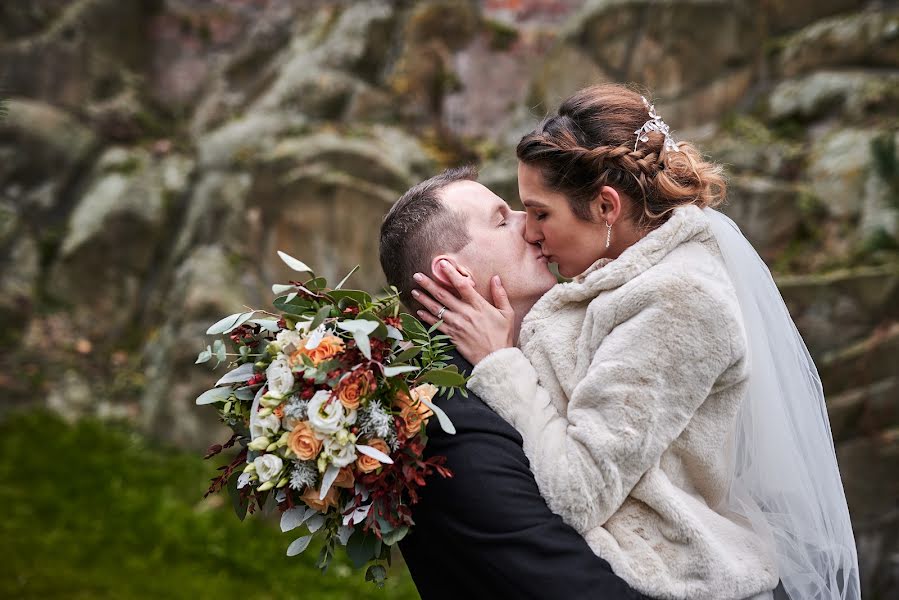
{"x":609,"y":235}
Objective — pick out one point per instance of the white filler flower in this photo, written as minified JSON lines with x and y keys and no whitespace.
{"x":325,"y":417}
{"x":280,"y":377}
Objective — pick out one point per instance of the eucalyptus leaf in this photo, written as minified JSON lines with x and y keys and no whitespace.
{"x":348,"y":275}
{"x":238,"y":375}
{"x":228,"y":323}
{"x":396,"y":535}
{"x":291,"y":296}
{"x":293,"y":518}
{"x":327,"y":480}
{"x":293,"y":263}
{"x":280,"y":288}
{"x":374,"y":453}
{"x":266,"y":324}
{"x":376,"y":574}
{"x":445,"y":423}
{"x":244,"y":394}
{"x":396,"y":370}
{"x":357,"y":297}
{"x":214,"y":395}
{"x":315,"y":522}
{"x":361,"y":548}
{"x":343,"y":534}
{"x":299,"y":545}
{"x":394,"y":333}
{"x":317,"y":284}
{"x":360,"y":329}
{"x":323,"y":313}
{"x":205,"y":356}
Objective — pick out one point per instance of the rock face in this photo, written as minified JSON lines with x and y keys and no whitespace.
{"x":149,"y":172}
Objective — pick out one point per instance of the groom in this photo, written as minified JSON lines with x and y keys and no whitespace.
{"x":486,"y":532}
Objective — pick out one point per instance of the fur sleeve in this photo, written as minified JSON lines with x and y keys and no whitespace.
{"x":649,"y":375}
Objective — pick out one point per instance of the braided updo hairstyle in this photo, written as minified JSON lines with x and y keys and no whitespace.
{"x":590,"y":144}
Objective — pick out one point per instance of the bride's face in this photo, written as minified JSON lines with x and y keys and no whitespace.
{"x":572,"y":243}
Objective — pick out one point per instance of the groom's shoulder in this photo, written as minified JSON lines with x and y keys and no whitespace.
{"x":469,"y":413}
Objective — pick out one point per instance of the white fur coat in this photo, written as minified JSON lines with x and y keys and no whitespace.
{"x":625,"y":391}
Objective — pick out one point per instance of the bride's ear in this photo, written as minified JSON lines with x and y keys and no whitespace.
{"x":440,"y":275}
{"x":607,"y":206}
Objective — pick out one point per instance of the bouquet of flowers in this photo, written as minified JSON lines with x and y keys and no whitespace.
{"x":328,"y":400}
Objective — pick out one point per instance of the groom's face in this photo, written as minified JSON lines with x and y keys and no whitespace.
{"x":497,"y":245}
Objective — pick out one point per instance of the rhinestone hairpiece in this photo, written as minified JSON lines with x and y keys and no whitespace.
{"x":655,"y":123}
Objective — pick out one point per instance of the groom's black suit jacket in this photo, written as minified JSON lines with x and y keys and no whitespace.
{"x":487,"y":532}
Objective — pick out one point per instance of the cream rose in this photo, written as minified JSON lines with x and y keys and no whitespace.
{"x":280,"y":377}
{"x":268,"y":467}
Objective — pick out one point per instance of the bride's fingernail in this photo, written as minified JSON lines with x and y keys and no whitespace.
{"x":417,"y":277}
{"x":415,"y":293}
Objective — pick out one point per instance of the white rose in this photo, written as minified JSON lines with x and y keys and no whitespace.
{"x":341,"y":455}
{"x":264,"y":426}
{"x":268,"y":466}
{"x":326,"y":417}
{"x":280,"y":377}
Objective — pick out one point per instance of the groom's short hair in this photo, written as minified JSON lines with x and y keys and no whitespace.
{"x":418,"y":227}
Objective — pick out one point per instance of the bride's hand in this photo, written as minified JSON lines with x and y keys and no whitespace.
{"x":475,"y":326}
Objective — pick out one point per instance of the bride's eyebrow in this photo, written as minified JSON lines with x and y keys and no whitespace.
{"x":533,"y":204}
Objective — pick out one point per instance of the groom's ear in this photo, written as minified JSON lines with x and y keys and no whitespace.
{"x":440,"y":275}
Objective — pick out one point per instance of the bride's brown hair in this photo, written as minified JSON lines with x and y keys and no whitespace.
{"x":590,"y":144}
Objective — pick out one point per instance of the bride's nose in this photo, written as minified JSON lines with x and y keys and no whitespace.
{"x":531,"y":234}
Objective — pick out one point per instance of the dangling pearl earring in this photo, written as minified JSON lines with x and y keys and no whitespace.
{"x":609,"y":235}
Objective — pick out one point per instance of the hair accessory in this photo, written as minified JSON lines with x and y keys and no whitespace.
{"x":655,"y":123}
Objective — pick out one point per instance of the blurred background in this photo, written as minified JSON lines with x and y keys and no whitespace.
{"x":155,"y":153}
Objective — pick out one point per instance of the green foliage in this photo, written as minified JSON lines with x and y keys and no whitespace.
{"x":92,"y":512}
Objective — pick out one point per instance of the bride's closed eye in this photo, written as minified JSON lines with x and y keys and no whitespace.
{"x":540,"y":216}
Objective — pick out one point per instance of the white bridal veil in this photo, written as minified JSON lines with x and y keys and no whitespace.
{"x":786,"y":479}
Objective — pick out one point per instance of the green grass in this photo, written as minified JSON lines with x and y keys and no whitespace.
{"x":91,"y":511}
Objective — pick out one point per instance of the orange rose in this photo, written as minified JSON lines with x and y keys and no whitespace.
{"x":303,"y":443}
{"x":330,"y":346}
{"x":426,"y":391}
{"x":354,"y":388}
{"x":367,"y":464}
{"x":345,"y":478}
{"x":412,"y":421}
{"x":310,"y":497}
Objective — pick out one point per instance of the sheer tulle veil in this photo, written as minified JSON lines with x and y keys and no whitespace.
{"x":786,"y":481}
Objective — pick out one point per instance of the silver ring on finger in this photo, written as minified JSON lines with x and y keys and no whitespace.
{"x":440,"y":312}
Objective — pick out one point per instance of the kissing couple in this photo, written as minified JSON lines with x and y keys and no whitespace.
{"x":651,"y":428}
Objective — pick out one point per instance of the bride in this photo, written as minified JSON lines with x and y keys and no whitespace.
{"x":668,"y":406}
